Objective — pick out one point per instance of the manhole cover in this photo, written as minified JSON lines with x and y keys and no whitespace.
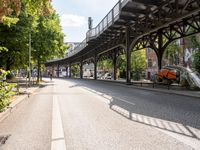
{"x":3,"y":139}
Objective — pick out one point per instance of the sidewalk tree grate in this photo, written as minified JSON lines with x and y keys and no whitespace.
{"x":3,"y":139}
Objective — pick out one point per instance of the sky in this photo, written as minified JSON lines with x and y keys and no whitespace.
{"x":74,"y":16}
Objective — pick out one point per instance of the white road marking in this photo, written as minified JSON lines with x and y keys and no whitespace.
{"x":58,"y":138}
{"x":105,"y":97}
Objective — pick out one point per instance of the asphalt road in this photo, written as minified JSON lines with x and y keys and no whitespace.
{"x":91,"y":115}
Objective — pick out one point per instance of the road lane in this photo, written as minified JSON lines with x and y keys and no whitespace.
{"x":91,"y":122}
{"x":177,"y":116}
{"x":99,"y":115}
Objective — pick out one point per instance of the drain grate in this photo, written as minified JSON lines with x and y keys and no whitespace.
{"x":3,"y":139}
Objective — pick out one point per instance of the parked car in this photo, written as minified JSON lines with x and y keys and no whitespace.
{"x":107,"y":76}
{"x":99,"y":75}
{"x":87,"y":73}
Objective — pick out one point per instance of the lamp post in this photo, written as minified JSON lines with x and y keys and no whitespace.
{"x":29,"y":54}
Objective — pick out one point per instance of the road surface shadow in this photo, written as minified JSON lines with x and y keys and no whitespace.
{"x":180,"y":115}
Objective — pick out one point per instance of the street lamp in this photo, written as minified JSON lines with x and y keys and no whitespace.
{"x":29,"y":54}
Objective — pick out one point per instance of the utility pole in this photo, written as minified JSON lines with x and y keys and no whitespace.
{"x":29,"y":54}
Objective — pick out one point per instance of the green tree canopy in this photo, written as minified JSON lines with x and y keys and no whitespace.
{"x":10,"y":9}
{"x":47,"y":40}
{"x":171,"y":53}
{"x":44,"y":27}
{"x":14,"y":42}
{"x":105,"y":64}
{"x":196,"y":55}
{"x":138,"y":63}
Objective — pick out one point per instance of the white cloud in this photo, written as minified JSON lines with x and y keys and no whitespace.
{"x":74,"y":13}
{"x":70,"y":20}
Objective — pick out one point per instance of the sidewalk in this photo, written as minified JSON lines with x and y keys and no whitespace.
{"x":24,"y":93}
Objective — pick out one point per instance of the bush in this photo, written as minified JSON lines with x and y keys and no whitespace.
{"x":196,"y":62}
{"x":10,"y":75}
{"x":5,"y":91}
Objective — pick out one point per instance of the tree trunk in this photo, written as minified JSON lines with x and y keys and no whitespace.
{"x":38,"y":71}
{"x":40,"y":75}
{"x":8,"y":64}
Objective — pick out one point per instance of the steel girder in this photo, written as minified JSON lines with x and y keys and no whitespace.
{"x":186,"y":27}
{"x":160,"y":39}
{"x":157,"y":17}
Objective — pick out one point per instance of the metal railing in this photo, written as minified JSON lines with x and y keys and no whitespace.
{"x":106,"y":22}
{"x":78,"y":48}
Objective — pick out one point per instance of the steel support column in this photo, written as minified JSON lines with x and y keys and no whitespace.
{"x":160,"y":49}
{"x":115,"y":65}
{"x":66,"y":71}
{"x":159,"y":46}
{"x":95,"y":67}
{"x":81,"y":69}
{"x":70,"y":70}
{"x":57,"y":70}
{"x":128,"y":56}
{"x":52,"y":70}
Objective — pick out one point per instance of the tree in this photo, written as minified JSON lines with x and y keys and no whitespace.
{"x":196,"y":62}
{"x":121,"y":65}
{"x":10,"y":9}
{"x":171,"y":53}
{"x":138,"y":63}
{"x":14,"y":42}
{"x":105,"y":64}
{"x":75,"y":69}
{"x":39,"y":7}
{"x":47,"y":37}
{"x":48,"y":40}
{"x":196,"y":55}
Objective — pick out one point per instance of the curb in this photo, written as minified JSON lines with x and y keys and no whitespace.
{"x":170,"y":91}
{"x":13,"y":106}
{"x":181,"y":93}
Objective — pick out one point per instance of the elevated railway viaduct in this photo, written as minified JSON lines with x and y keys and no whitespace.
{"x":133,"y":25}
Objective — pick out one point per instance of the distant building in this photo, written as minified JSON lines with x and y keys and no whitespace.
{"x":88,"y":70}
{"x":71,"y":45}
{"x":182,"y":58}
{"x":152,"y":65}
